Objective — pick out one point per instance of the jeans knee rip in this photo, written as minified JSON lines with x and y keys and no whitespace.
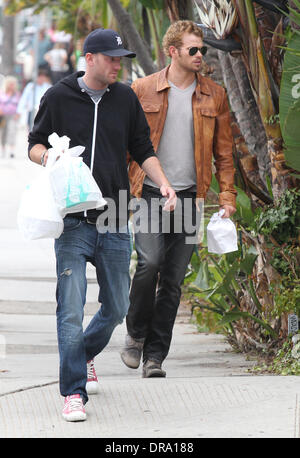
{"x":67,"y":272}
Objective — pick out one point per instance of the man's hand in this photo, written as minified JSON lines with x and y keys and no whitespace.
{"x":229,"y":210}
{"x":168,"y":191}
{"x":152,"y":168}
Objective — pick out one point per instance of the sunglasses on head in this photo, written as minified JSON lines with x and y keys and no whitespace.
{"x":193,"y":50}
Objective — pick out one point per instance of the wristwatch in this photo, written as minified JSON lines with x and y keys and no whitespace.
{"x":43,"y":158}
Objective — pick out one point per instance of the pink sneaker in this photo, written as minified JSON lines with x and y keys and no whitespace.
{"x":92,"y":385}
{"x":73,"y":408}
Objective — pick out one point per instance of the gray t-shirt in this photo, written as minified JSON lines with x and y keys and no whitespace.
{"x":95,"y":95}
{"x":176,"y":147}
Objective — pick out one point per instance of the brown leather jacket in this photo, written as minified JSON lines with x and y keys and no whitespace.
{"x":212,"y":130}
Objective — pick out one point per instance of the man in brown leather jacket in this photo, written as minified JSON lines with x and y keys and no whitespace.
{"x":189,"y":121}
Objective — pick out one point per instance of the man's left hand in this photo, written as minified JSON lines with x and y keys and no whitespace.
{"x":229,"y":210}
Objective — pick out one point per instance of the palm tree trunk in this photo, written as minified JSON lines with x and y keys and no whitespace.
{"x":179,"y":9}
{"x":264,"y":91}
{"x":8,"y":45}
{"x":245,"y":109}
{"x":133,"y":38}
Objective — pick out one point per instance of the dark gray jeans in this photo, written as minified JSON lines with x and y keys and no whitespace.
{"x":156,"y":287}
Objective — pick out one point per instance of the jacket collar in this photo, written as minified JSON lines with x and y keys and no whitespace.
{"x":162,"y":82}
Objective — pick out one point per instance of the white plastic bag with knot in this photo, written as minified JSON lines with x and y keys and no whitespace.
{"x":221,"y":234}
{"x":74,"y":187}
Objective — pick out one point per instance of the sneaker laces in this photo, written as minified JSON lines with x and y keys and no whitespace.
{"x":90,"y":369}
{"x":74,"y":403}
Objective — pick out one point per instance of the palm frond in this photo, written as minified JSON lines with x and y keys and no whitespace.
{"x":219,"y":16}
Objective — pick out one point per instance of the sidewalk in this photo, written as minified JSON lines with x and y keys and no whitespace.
{"x":207,"y":392}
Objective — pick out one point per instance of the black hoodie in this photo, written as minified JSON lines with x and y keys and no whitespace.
{"x":107,"y":130}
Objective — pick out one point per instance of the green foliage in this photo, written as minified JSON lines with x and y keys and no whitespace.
{"x":73,"y":16}
{"x":283,"y":220}
{"x":289,"y":100}
{"x":280,"y":225}
{"x":15,"y":6}
{"x":245,"y":215}
{"x":273,"y":119}
{"x":79,"y":17}
{"x":206,"y":320}
{"x":221,"y":283}
{"x":244,"y":212}
{"x":285,"y":362}
{"x":218,"y":287}
{"x":153,"y":4}
{"x":287,"y":299}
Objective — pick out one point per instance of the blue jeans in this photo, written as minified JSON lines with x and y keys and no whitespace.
{"x":80,"y":243}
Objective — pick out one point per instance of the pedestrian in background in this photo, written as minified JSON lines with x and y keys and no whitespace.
{"x":190,"y":124}
{"x":9,"y":99}
{"x":57,"y":59}
{"x":44,"y":45}
{"x":105,"y":116}
{"x":31,"y":96}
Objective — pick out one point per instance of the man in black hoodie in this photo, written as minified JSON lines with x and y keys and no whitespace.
{"x":105,"y":116}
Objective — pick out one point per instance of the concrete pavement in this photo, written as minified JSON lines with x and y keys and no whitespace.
{"x":207,"y":393}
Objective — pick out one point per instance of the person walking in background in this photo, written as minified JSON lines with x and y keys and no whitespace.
{"x":70,"y":52}
{"x":44,"y":45}
{"x":105,"y":116}
{"x":57,"y":59}
{"x":31,"y":96}
{"x":77,"y":57}
{"x":9,"y":99}
{"x":190,"y":124}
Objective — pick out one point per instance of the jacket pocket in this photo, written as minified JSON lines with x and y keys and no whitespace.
{"x":209,"y":112}
{"x":209,"y":124}
{"x":209,"y":121}
{"x":149,"y":107}
{"x":152,"y":113}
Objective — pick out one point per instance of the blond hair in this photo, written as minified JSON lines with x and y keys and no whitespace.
{"x":10,"y":79}
{"x":173,"y":36}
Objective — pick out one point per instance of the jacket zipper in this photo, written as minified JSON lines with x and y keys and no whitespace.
{"x":93,"y":140}
{"x":94,"y":135}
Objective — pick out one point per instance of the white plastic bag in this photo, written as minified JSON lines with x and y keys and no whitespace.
{"x":38,"y":216}
{"x":221,"y":234}
{"x":74,"y":187}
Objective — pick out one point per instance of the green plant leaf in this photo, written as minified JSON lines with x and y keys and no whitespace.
{"x":289,"y":103}
{"x":243,"y":208}
{"x":224,"y":290}
{"x":210,"y":308}
{"x":247,"y":263}
{"x":236,"y":315}
{"x":153,"y":4}
{"x":214,"y":185}
{"x":202,"y":281}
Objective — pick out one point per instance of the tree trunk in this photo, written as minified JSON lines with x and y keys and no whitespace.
{"x":8,"y":45}
{"x":245,"y":109}
{"x":146,"y":27}
{"x":133,"y":38}
{"x":179,"y":9}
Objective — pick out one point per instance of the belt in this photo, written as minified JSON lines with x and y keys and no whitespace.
{"x":89,"y":220}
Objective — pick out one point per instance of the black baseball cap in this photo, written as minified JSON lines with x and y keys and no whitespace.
{"x":107,"y":42}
